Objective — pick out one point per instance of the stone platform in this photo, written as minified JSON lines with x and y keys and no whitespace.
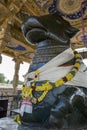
{"x":8,"y":123}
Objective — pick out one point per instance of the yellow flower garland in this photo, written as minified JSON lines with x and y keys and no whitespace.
{"x":27,"y":92}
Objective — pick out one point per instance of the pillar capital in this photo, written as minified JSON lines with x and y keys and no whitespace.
{"x":17,"y":60}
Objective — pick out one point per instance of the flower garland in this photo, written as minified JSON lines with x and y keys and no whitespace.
{"x":27,"y":92}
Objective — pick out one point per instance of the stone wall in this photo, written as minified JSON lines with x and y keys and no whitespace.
{"x":7,"y":89}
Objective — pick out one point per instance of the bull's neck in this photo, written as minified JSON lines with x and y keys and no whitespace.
{"x":45,"y":52}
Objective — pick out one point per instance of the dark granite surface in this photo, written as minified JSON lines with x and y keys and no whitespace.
{"x":9,"y":124}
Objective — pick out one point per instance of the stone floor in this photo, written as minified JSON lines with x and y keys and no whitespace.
{"x":8,"y":124}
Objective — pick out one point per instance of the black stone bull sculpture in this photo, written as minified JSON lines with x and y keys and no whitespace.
{"x":65,"y":106}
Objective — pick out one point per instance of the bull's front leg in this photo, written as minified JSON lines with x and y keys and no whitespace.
{"x":59,"y":111}
{"x":71,"y":100}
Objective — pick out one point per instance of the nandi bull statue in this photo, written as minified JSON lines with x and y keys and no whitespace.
{"x":55,"y":91}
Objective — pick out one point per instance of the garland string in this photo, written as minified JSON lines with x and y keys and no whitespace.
{"x":27,"y":92}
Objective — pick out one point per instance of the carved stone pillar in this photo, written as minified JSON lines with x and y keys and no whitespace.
{"x":16,"y":74}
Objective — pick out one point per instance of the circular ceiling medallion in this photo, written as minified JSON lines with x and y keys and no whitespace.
{"x":69,"y":6}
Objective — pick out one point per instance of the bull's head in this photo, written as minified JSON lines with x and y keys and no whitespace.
{"x":49,"y":27}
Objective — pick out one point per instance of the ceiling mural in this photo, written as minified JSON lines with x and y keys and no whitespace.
{"x":14,"y":13}
{"x":16,"y":47}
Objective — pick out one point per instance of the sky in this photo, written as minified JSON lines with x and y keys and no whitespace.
{"x":7,"y":68}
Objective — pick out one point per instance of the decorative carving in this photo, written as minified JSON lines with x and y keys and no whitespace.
{"x":22,"y":15}
{"x":42,"y":3}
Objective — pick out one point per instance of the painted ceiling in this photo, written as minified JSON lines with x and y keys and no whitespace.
{"x":14,"y":12}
